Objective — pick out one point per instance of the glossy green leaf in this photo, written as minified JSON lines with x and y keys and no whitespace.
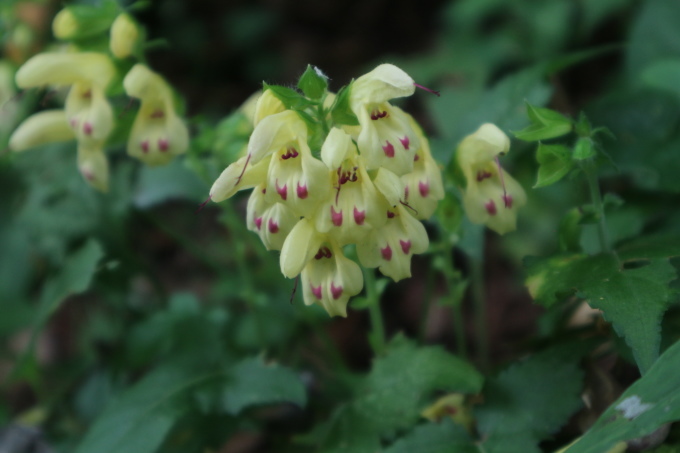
{"x":529,"y":401}
{"x":646,"y":405}
{"x":554,"y":163}
{"x":313,"y":82}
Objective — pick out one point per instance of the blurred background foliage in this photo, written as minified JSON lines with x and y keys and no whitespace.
{"x":173,"y":328}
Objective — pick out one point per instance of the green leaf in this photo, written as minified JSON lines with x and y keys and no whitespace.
{"x":450,"y":213}
{"x":632,"y":299}
{"x":584,"y":149}
{"x":569,"y":233}
{"x":289,"y":97}
{"x":341,"y":112}
{"x":252,"y":382}
{"x":173,"y":181}
{"x":393,"y":394}
{"x":313,"y":82}
{"x":545,"y":124}
{"x":140,"y":419}
{"x":554,"y":163}
{"x":655,"y":35}
{"x":664,"y":75}
{"x":529,"y":401}
{"x":646,"y":405}
{"x":74,"y":277}
{"x":442,"y":437}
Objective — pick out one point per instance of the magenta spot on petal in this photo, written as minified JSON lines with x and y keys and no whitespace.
{"x":336,"y":217}
{"x":316,"y":290}
{"x":163,"y":144}
{"x":482,"y":175}
{"x":158,"y":113}
{"x":73,"y":123}
{"x":405,"y":246}
{"x":258,"y":222}
{"x":406,"y":189}
{"x":386,"y":253}
{"x":416,"y":158}
{"x":389,"y":149}
{"x":507,"y":199}
{"x":283,"y":191}
{"x":390,"y":214}
{"x":405,"y":141}
{"x":359,"y":216}
{"x":88,"y":175}
{"x":490,"y":207}
{"x":336,"y":291}
{"x":145,"y":146}
{"x":302,"y":191}
{"x":87,"y":128}
{"x":423,"y":188}
{"x":273,"y":226}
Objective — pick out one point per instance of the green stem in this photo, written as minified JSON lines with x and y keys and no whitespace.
{"x":596,"y":198}
{"x":477,"y":275}
{"x":456,"y":302}
{"x":377,"y":335}
{"x":427,"y":306}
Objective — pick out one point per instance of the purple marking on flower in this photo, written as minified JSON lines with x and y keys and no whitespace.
{"x":507,"y":200}
{"x":145,"y":146}
{"x":302,"y":191}
{"x":386,"y":252}
{"x":406,"y":191}
{"x":87,"y":128}
{"x":416,"y":158}
{"x":336,"y":217}
{"x":316,"y":290}
{"x":293,"y":152}
{"x":336,"y":291}
{"x":377,"y":114}
{"x":423,"y":188}
{"x":258,"y":222}
{"x":490,"y":207}
{"x":327,"y":252}
{"x":482,"y":175}
{"x":73,"y":122}
{"x":405,"y":246}
{"x":405,"y":141}
{"x":163,"y":145}
{"x":158,"y":113}
{"x":359,"y":216}
{"x":273,"y":226}
{"x":283,"y":191}
{"x":389,"y":149}
{"x":390,"y":214}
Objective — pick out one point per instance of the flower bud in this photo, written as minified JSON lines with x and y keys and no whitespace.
{"x":94,"y":167}
{"x":83,"y":21}
{"x":45,"y":127}
{"x":125,"y":36}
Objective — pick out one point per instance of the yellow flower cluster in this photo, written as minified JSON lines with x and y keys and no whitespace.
{"x":369,"y":186}
{"x":157,"y":135}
